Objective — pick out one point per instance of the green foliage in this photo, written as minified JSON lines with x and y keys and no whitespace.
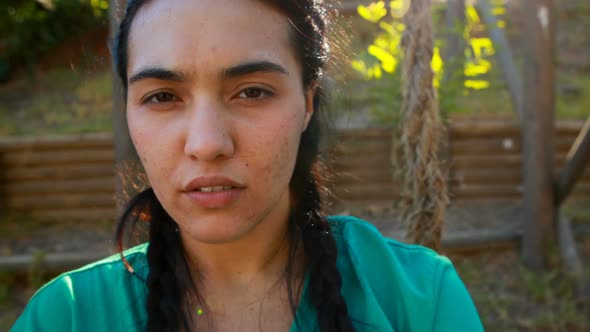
{"x":381,"y":59}
{"x":31,"y":28}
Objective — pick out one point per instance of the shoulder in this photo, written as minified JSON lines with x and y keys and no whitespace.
{"x":411,"y":286}
{"x":70,"y":298}
{"x":109,"y":271}
{"x":363,"y":240}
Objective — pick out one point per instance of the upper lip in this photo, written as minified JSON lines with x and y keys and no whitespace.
{"x":211,"y":181}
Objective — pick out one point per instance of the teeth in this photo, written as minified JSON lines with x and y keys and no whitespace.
{"x":216,"y":188}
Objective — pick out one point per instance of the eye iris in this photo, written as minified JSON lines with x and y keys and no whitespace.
{"x":252,"y":93}
{"x":164,"y":97}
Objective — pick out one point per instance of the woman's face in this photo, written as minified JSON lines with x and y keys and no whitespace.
{"x":216,"y":109}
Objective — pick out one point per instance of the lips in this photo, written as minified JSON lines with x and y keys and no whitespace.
{"x":213,"y":192}
{"x":212,"y":184}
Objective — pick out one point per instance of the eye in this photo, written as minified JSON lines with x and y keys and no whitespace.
{"x":254,"y":93}
{"x":161,"y":97}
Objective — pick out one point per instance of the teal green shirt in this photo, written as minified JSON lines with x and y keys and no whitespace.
{"x":387,"y":285}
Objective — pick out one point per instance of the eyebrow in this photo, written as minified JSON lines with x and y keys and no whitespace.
{"x":231,"y":72}
{"x":253,"y":67}
{"x":157,"y":73}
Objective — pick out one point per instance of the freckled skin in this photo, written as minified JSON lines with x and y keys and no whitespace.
{"x":209,"y":131}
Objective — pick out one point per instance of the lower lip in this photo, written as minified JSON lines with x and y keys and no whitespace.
{"x":214,"y":199}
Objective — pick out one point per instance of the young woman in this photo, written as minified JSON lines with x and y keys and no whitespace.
{"x":222,"y":104}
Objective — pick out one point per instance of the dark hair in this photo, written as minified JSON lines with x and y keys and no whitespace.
{"x":169,"y":276}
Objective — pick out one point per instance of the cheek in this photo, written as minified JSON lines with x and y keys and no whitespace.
{"x":282,"y":145}
{"x":149,"y":148}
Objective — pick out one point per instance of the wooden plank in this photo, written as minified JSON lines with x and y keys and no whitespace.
{"x":364,"y":191}
{"x":380,"y":173}
{"x":538,"y":133}
{"x":56,"y":142}
{"x":360,"y":148}
{"x":351,"y":162}
{"x":53,"y":262}
{"x":68,"y":172}
{"x":57,"y":158}
{"x":57,"y":201}
{"x":499,"y":146}
{"x":83,"y":214}
{"x":97,"y":185}
{"x":578,"y":159}
{"x":480,"y":191}
{"x":376,"y":179}
{"x":362,"y":133}
{"x":494,"y":161}
{"x":498,"y":176}
{"x":481,"y":129}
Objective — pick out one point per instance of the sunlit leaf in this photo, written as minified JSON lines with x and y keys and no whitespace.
{"x":472,"y":14}
{"x":377,"y":72}
{"x":388,"y":62}
{"x":399,"y":8}
{"x":477,"y":84}
{"x":474,"y":69}
{"x":499,"y":11}
{"x":373,"y":12}
{"x":437,"y":67}
{"x":389,"y":28}
{"x":437,"y":62}
{"x":47,"y":4}
{"x":482,"y":46}
{"x":359,"y":66}
{"x":382,"y":41}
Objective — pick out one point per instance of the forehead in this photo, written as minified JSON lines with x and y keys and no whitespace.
{"x":207,"y":34}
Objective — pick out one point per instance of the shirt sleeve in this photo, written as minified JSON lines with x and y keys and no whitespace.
{"x":50,"y":309}
{"x":455,"y":310}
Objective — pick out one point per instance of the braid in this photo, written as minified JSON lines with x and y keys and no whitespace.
{"x":320,"y":248}
{"x":165,"y":258}
{"x":168,"y":274}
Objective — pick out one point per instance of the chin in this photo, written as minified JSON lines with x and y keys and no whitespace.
{"x":218,"y":230}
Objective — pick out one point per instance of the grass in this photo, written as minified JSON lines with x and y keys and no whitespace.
{"x":510,"y":297}
{"x":60,"y":101}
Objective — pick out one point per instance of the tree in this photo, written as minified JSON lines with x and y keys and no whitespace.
{"x":127,"y":165}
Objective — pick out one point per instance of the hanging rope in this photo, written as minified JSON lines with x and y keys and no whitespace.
{"x":424,"y":193}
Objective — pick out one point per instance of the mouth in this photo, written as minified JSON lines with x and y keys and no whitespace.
{"x":208,"y":184}
{"x":213,"y":189}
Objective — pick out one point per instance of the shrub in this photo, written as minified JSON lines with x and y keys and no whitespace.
{"x":32,"y":28}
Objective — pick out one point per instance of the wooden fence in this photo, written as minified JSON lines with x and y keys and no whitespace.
{"x":59,"y":177}
{"x":485,"y":162}
{"x":72,"y":177}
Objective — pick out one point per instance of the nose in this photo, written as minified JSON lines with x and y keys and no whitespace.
{"x":208,"y":133}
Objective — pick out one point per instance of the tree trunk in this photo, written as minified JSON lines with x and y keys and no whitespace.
{"x":127,"y":165}
{"x":455,"y":50}
{"x":538,"y":132}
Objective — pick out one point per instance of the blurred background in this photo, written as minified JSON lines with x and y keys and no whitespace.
{"x":511,"y":103}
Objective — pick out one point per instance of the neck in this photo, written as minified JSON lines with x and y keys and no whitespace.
{"x":261,"y":255}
